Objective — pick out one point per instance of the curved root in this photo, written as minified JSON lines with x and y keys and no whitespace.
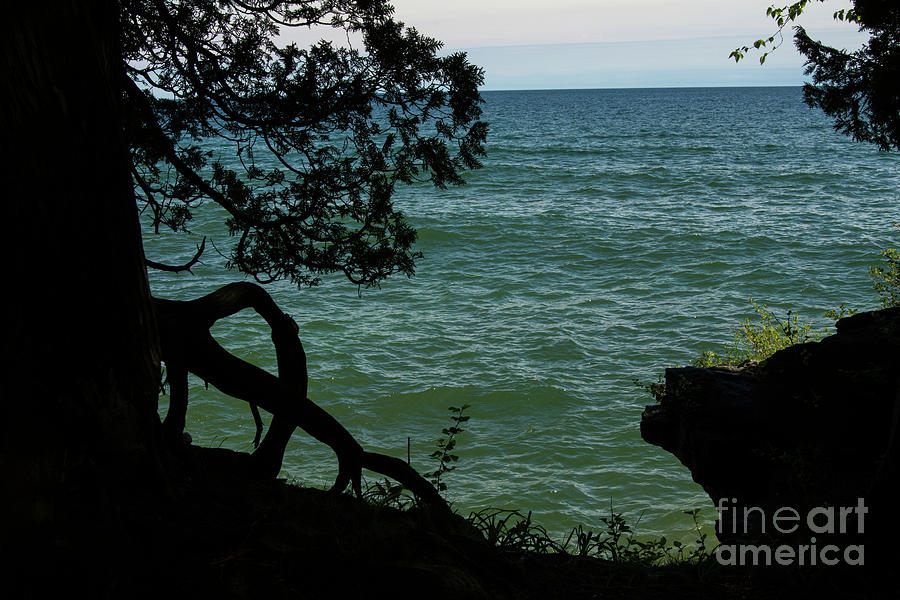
{"x":188,"y":346}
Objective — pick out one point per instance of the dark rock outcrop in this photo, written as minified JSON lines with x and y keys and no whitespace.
{"x":812,"y":426}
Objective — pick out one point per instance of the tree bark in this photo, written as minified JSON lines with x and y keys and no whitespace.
{"x":79,"y":393}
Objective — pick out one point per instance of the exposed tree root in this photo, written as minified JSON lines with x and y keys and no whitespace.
{"x":188,"y":346}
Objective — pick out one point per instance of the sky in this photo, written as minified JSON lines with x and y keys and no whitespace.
{"x":560,"y":44}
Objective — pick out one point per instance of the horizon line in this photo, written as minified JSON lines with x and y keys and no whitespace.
{"x":647,"y":87}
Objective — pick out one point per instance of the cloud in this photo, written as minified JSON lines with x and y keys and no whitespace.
{"x":697,"y":62}
{"x":479,"y":23}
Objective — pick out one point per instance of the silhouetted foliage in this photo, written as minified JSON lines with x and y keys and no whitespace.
{"x":322,"y":134}
{"x":859,"y":89}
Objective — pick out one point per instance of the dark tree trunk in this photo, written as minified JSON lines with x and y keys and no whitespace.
{"x":86,"y":501}
{"x":80,"y":351}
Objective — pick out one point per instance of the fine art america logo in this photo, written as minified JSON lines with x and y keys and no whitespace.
{"x":821,"y":520}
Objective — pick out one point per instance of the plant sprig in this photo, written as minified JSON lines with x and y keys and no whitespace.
{"x":445,"y":445}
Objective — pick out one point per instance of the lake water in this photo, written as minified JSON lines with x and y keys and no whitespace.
{"x":611,"y":234}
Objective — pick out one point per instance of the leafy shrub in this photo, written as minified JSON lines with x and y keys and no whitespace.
{"x":887,"y":279}
{"x":758,"y":340}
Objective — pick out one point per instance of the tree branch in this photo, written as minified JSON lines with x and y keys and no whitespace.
{"x":178,"y":268}
{"x":165,"y":145}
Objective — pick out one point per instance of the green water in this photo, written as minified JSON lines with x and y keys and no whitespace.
{"x":612,"y":233}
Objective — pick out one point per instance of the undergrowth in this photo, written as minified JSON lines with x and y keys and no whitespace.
{"x":616,"y":541}
{"x":514,"y":531}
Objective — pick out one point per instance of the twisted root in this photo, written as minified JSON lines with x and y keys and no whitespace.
{"x":188,"y":346}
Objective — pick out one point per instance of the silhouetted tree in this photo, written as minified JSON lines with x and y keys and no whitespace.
{"x":322,"y":136}
{"x":337,"y":128}
{"x":858,"y":89}
{"x":103,"y":100}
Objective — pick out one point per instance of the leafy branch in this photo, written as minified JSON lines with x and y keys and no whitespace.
{"x":782,"y":17}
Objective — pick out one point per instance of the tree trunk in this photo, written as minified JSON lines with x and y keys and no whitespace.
{"x":79,"y":343}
